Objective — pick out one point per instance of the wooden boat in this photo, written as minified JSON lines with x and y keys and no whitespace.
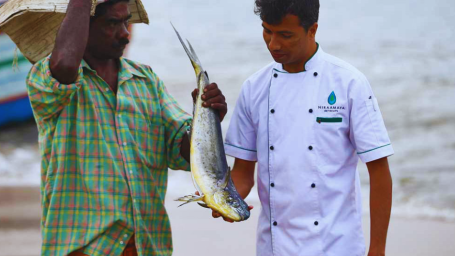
{"x":14,"y":102}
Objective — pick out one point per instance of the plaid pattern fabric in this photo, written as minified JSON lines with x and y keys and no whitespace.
{"x":105,"y":159}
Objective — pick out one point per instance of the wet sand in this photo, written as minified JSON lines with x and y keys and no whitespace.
{"x":197,"y":233}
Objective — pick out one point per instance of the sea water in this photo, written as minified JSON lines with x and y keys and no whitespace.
{"x":405,"y":48}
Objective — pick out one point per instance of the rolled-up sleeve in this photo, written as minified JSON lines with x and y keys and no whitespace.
{"x":368,"y":132}
{"x":48,"y":97}
{"x":241,"y":136}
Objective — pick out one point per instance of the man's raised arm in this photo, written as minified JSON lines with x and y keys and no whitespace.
{"x":71,"y":42}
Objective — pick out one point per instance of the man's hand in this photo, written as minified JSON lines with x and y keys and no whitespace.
{"x":213,"y":98}
{"x":243,"y":177}
{"x":215,"y":214}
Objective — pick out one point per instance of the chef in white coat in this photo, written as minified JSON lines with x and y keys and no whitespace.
{"x":306,"y":119}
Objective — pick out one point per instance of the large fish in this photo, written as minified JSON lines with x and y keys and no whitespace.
{"x":211,"y":175}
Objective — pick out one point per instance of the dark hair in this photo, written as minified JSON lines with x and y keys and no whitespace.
{"x":101,"y":9}
{"x":273,"y":11}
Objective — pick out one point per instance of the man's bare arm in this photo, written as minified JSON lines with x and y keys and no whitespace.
{"x":380,"y":204}
{"x":243,"y":176}
{"x":71,"y":42}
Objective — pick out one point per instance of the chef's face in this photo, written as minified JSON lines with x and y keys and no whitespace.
{"x":289,"y":42}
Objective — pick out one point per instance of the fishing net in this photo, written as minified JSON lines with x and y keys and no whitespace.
{"x":33,"y":24}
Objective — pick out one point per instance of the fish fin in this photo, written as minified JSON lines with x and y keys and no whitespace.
{"x":196,"y":186}
{"x":189,"y":199}
{"x":225,"y":181}
{"x":194,"y":59}
{"x":193,"y":53}
{"x":203,"y":205}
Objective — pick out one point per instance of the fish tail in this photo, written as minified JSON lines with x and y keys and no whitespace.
{"x":189,"y":199}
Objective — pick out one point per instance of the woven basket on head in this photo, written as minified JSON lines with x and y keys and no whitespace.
{"x":33,"y":24}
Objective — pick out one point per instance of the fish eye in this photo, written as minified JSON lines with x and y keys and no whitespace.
{"x":236,"y":204}
{"x":229,"y":199}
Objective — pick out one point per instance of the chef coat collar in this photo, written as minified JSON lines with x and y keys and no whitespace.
{"x":309,"y":65}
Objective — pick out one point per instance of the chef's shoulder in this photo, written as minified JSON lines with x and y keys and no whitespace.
{"x":351,"y":78}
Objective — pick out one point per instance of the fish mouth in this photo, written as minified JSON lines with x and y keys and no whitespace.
{"x":244,"y":215}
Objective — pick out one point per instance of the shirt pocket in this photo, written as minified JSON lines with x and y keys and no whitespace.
{"x":330,"y":134}
{"x":329,"y":120}
{"x":151,"y":143}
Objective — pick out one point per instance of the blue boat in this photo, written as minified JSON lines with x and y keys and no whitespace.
{"x":14,"y":101}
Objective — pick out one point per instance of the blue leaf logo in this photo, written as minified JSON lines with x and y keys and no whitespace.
{"x":332,"y":98}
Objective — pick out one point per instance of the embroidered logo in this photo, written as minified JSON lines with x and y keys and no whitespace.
{"x":333,"y":107}
{"x":332,"y":98}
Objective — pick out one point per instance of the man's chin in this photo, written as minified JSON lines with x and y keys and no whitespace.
{"x":115,"y":55}
{"x":280,"y":60}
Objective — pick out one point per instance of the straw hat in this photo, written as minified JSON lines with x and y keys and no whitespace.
{"x":33,"y":24}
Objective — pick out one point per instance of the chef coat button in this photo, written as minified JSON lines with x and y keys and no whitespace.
{"x":275,"y":223}
{"x":272,"y":185}
{"x":310,"y":147}
{"x":272,"y":111}
{"x":272,"y":147}
{"x":275,"y":75}
{"x":313,"y":185}
{"x":311,"y":110}
{"x":316,"y":223}
{"x":315,"y":74}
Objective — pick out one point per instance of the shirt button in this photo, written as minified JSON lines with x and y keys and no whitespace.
{"x":131,"y":172}
{"x":311,"y":111}
{"x":316,"y":223}
{"x":275,"y":75}
{"x":272,"y":148}
{"x":272,"y":111}
{"x":275,"y":223}
{"x":120,"y":116}
{"x":124,"y":143}
{"x":272,"y":185}
{"x":313,"y":185}
{"x":310,"y":147}
{"x":121,"y":242}
{"x":134,"y":200}
{"x":125,"y":235}
{"x":315,"y":74}
{"x":107,"y":89}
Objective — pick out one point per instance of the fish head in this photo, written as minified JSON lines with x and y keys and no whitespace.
{"x":231,"y":206}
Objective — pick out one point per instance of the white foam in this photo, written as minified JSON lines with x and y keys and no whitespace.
{"x":21,"y":167}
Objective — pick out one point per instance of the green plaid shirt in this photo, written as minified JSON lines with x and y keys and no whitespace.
{"x":105,"y":159}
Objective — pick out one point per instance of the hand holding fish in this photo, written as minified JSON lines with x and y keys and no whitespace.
{"x":216,"y":214}
{"x":213,"y":98}
{"x":209,"y":170}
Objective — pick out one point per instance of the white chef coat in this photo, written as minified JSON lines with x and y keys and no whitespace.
{"x":306,"y":131}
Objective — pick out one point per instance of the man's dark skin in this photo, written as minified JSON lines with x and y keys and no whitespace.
{"x":101,"y":43}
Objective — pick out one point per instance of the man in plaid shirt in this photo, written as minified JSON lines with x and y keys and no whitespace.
{"x":108,"y":132}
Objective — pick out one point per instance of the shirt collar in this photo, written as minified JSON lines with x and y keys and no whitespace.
{"x":309,"y":65}
{"x":126,"y":70}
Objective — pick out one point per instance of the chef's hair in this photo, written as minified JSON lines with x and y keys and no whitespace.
{"x":101,"y":9}
{"x":273,"y":11}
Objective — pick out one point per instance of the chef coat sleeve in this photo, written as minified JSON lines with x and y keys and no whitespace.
{"x":241,"y":136}
{"x":368,"y":133}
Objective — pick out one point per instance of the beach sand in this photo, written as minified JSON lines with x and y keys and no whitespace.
{"x":195,"y":232}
